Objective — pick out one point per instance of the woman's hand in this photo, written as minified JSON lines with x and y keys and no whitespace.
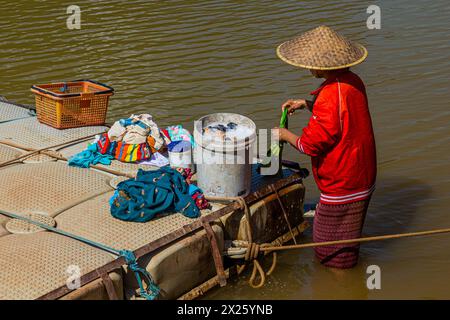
{"x":293,"y":105}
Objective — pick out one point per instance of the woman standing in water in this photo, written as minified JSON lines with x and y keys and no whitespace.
{"x":339,"y":139}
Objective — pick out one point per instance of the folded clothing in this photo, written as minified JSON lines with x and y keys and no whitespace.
{"x":151,"y":193}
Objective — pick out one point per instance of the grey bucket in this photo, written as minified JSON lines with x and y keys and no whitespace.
{"x":231,"y":175}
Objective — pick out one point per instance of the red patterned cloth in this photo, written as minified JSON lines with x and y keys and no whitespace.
{"x":200,"y":201}
{"x":339,"y":222}
{"x":186,"y":173}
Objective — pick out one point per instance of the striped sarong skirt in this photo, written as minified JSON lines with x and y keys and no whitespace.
{"x":339,"y":222}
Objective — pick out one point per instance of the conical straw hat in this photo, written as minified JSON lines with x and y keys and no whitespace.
{"x":321,"y":48}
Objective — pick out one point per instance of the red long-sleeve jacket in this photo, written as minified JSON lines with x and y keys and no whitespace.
{"x":339,"y":138}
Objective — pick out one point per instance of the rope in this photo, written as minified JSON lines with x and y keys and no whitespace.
{"x":275,"y":191}
{"x":250,"y":252}
{"x":248,"y":217}
{"x":356,"y":240}
{"x":54,"y":154}
{"x":93,"y":166}
{"x":45,"y":149}
{"x":153,"y":290}
{"x":149,"y":293}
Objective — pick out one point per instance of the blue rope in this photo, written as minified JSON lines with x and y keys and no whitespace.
{"x":130,"y":259}
{"x":149,"y":293}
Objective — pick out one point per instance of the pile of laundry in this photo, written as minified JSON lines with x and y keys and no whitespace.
{"x":153,"y":193}
{"x":133,"y":140}
{"x":137,"y":139}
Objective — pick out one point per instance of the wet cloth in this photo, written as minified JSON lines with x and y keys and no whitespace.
{"x":339,"y":222}
{"x":151,"y":193}
{"x":219,"y":130}
{"x":90,"y":156}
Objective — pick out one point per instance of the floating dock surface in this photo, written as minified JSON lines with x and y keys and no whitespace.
{"x":175,"y":250}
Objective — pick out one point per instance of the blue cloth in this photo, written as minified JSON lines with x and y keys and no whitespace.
{"x":90,"y":156}
{"x":193,"y":189}
{"x":151,"y":193}
{"x":179,"y":146}
{"x":128,"y":122}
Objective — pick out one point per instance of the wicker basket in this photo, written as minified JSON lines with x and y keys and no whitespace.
{"x":73,"y":104}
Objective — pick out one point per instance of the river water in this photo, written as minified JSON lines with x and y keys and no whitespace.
{"x":180,"y":60}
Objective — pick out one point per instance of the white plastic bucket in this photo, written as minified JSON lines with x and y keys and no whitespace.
{"x":181,"y":159}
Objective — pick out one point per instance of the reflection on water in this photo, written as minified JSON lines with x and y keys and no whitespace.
{"x":180,"y":60}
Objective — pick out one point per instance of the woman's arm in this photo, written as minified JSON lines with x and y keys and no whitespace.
{"x":322,"y":131}
{"x":288,"y":136}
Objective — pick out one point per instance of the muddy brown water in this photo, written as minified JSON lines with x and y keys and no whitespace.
{"x":180,"y":60}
